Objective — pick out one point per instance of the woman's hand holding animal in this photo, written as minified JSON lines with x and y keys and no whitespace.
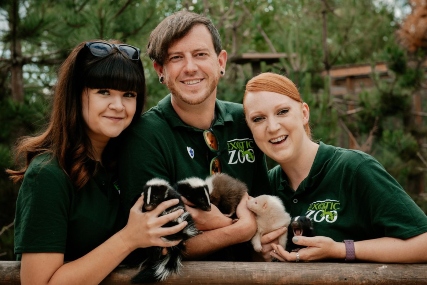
{"x":207,"y":220}
{"x":317,"y":248}
{"x":246,"y":218}
{"x":144,"y":229}
{"x":267,"y":242}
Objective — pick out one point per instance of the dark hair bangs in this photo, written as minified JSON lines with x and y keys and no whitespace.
{"x":115,"y":72}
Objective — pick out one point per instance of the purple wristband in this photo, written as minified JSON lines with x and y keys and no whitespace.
{"x":350,"y":254}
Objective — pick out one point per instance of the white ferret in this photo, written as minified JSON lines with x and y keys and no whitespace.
{"x":270,"y":215}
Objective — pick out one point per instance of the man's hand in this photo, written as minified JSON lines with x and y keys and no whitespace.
{"x":207,"y":220}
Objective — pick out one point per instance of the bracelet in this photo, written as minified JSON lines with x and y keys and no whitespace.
{"x":350,"y":254}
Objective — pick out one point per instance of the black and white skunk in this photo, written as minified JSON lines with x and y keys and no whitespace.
{"x":158,"y":267}
{"x":299,"y":226}
{"x":270,"y":215}
{"x":220,"y":189}
{"x":225,"y":192}
{"x":196,"y":191}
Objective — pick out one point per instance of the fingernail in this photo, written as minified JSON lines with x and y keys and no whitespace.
{"x":295,"y":239}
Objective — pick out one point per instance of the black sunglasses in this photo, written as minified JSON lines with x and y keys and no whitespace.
{"x":101,"y":49}
{"x":212,"y":142}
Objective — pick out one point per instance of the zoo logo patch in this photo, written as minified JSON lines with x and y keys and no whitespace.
{"x":327,"y":210}
{"x":240,"y":151}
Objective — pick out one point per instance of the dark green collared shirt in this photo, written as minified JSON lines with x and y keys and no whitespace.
{"x":161,"y":145}
{"x":349,"y":195}
{"x":53,"y":216}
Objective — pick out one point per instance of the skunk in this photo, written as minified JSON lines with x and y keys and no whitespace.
{"x":225,"y":192}
{"x":299,"y":226}
{"x":270,"y":215}
{"x":196,"y":191}
{"x":158,"y":267}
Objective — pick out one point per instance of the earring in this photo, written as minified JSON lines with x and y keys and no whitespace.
{"x":161,"y":79}
{"x":222,"y":72}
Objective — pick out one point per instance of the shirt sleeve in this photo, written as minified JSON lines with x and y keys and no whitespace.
{"x":42,"y":210}
{"x":390,"y":210}
{"x":142,"y":158}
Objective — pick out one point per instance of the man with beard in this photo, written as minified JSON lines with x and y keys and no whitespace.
{"x":190,"y":133}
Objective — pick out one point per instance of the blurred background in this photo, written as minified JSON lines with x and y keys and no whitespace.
{"x":359,"y":64}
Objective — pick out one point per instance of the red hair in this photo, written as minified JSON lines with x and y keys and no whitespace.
{"x":276,"y":83}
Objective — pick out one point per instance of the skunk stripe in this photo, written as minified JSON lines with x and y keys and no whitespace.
{"x":194,"y":181}
{"x":157,"y":181}
{"x":207,"y":195}
{"x":148,"y":195}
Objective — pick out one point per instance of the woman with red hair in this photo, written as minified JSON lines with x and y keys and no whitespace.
{"x":359,"y":211}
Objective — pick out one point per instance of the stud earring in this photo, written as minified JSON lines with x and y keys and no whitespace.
{"x":222,"y":72}
{"x":161,"y":79}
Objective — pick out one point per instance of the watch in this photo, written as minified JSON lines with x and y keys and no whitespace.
{"x":350,"y":254}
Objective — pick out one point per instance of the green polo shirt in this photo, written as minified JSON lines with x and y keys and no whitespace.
{"x":349,"y":195}
{"x":161,"y":145}
{"x":53,"y":216}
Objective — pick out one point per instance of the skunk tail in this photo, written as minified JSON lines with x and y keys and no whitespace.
{"x":163,"y":268}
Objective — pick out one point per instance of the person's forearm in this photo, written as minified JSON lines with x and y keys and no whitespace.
{"x":388,"y":250}
{"x":89,"y":269}
{"x":211,"y":241}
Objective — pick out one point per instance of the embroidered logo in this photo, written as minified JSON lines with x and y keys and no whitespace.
{"x":116,"y":185}
{"x":240,"y":151}
{"x":321,"y":211}
{"x":190,"y":151}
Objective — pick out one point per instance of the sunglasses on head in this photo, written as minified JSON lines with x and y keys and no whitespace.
{"x":212,"y":142}
{"x":102,"y":49}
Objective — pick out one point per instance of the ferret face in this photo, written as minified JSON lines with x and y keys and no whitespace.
{"x":258,"y":204}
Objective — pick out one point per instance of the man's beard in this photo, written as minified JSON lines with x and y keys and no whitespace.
{"x":188,"y":99}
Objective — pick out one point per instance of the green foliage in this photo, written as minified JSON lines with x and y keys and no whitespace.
{"x":394,"y":103}
{"x":411,"y":78}
{"x":21,"y":118}
{"x":401,"y":142}
{"x":396,"y":59}
{"x":358,"y":31}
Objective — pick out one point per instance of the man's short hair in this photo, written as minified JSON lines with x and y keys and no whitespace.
{"x":175,"y":27}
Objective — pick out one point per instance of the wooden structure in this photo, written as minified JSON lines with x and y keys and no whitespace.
{"x":271,"y":273}
{"x":346,"y":82}
{"x":256,"y":58}
{"x":352,"y":79}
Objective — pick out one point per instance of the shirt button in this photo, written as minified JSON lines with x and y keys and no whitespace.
{"x":295,"y":201}
{"x":103,"y":183}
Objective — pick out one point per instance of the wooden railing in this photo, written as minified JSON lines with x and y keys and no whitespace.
{"x":223,"y":273}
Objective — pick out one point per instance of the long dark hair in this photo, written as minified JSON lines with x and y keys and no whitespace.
{"x":65,"y":136}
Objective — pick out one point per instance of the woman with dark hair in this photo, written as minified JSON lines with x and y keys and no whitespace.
{"x":68,"y":204}
{"x":358,"y":209}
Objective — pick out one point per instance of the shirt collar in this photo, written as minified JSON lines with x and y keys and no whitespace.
{"x":323,"y":155}
{"x":222,"y":113}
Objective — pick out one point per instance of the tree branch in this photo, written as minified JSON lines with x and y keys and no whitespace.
{"x":122,"y":9}
{"x":5,"y":228}
{"x":266,"y":38}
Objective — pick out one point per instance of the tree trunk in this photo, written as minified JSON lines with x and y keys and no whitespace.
{"x":17,"y":80}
